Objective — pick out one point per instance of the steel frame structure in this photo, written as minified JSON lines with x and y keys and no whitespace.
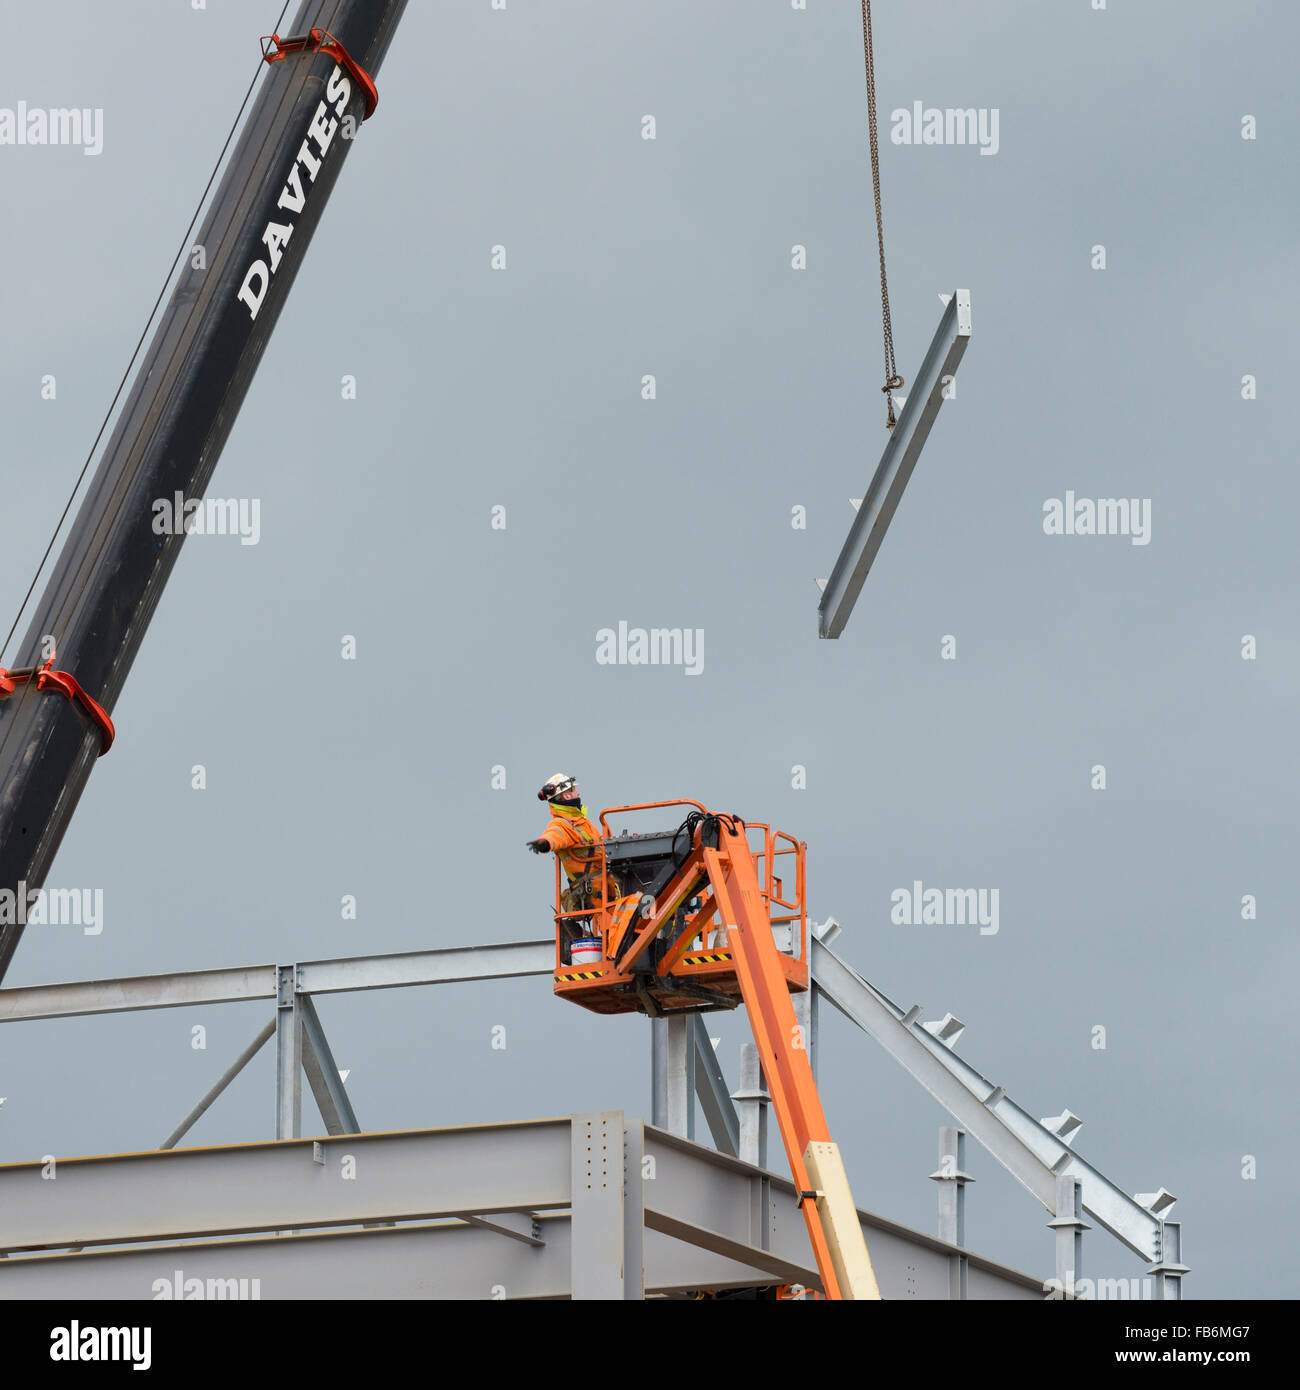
{"x":684,"y":1067}
{"x":594,"y":1206}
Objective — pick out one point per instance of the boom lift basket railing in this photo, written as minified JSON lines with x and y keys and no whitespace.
{"x":684,"y":964}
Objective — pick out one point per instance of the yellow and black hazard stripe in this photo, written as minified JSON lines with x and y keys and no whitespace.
{"x":707,"y":959}
{"x":580,"y":975}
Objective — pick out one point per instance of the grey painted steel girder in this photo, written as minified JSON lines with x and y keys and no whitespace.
{"x":1030,"y":1152}
{"x":639,"y":1199}
{"x":895,"y":468}
{"x":445,"y":1261}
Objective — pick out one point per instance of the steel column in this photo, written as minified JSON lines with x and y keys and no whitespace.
{"x":288,"y":1056}
{"x":805,"y":1012}
{"x":952,"y":1179}
{"x":1168,"y":1271}
{"x":672,"y":1074}
{"x":752,"y":1100}
{"x":598,"y":1236}
{"x":1069,"y":1226}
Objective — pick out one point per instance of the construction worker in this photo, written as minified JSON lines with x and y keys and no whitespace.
{"x":576,"y":840}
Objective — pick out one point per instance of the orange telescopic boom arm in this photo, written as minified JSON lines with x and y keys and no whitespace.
{"x":815,"y":1163}
{"x":701,"y":937}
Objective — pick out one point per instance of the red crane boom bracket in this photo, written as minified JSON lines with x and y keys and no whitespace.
{"x":49,"y":679}
{"x":322,"y":41}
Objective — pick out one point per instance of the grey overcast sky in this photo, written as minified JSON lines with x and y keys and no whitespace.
{"x":1120,"y":908}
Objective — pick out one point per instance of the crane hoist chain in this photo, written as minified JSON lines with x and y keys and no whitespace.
{"x":893,"y":382}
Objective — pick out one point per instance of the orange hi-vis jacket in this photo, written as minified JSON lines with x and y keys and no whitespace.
{"x":567,"y":834}
{"x":574,"y":838}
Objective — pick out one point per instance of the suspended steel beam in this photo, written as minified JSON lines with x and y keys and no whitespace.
{"x":188,"y":388}
{"x":929,"y":389}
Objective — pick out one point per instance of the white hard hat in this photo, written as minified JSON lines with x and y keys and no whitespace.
{"x":554,"y":786}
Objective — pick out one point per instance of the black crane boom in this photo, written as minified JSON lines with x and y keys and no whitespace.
{"x":187,"y":391}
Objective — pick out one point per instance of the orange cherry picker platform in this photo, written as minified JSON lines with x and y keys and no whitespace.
{"x":712,"y":902}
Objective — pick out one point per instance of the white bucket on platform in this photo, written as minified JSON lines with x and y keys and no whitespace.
{"x":586,"y":951}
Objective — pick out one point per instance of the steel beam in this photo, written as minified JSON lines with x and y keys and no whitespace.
{"x":179,"y":1193}
{"x":232,"y":1071}
{"x":717,"y":1210}
{"x":80,"y":997}
{"x":711,"y":1088}
{"x":446,"y":1261}
{"x":786,"y":1271}
{"x":323,"y":1074}
{"x":1030,"y":1152}
{"x":503,"y":960}
{"x":521,"y":1226}
{"x":928,"y":392}
{"x":241,"y":983}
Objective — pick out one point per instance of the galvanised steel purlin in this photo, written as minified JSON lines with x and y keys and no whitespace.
{"x":190,"y":382}
{"x":895,"y":467}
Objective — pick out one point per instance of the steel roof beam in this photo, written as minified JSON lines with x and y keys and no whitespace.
{"x":1027,"y":1149}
